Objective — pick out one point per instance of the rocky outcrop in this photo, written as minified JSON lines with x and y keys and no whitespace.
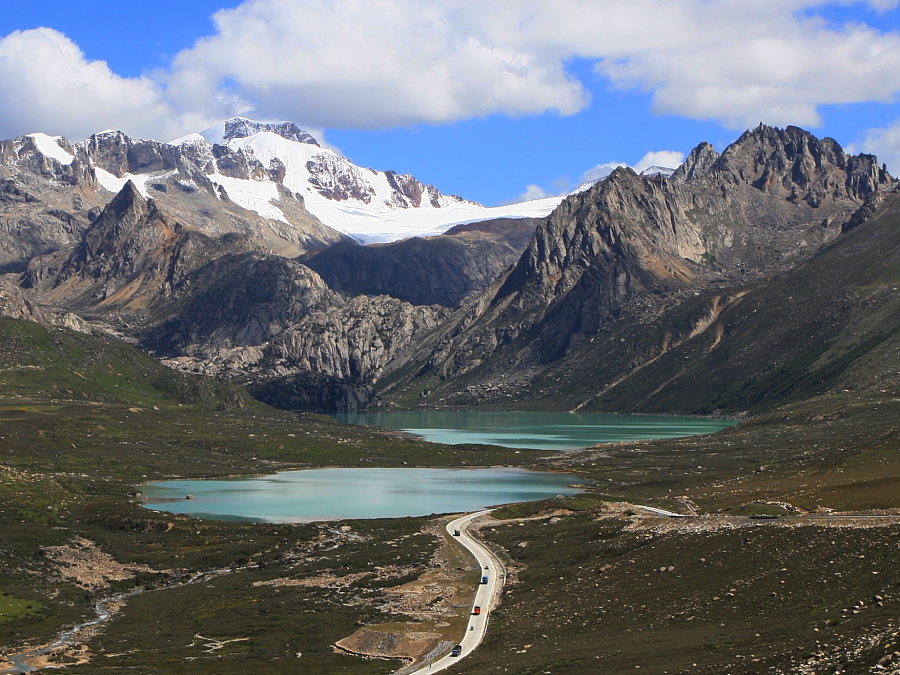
{"x":767,"y":203}
{"x":336,"y":178}
{"x":409,"y":192}
{"x":273,"y":323}
{"x":439,"y":270}
{"x":240,"y":300}
{"x":15,"y":303}
{"x":254,"y":317}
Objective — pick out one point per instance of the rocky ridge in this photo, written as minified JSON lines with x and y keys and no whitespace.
{"x":620,"y":277}
{"x":129,"y":261}
{"x":275,"y":324}
{"x":633,"y":245}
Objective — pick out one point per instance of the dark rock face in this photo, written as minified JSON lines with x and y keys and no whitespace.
{"x":241,"y":300}
{"x":254,"y":317}
{"x":313,"y":391}
{"x":434,"y":271}
{"x":766,"y":204}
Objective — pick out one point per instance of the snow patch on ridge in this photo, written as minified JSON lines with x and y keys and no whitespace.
{"x":252,"y":195}
{"x":50,"y":147}
{"x":115,"y":184}
{"x":271,"y":163}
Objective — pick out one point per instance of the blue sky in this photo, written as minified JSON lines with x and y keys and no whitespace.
{"x":482,"y":99}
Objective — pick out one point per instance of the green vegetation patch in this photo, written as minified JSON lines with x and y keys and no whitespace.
{"x":13,"y":608}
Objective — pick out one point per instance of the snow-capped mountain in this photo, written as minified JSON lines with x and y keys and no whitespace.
{"x":241,"y":127}
{"x":305,"y":194}
{"x":369,"y":205}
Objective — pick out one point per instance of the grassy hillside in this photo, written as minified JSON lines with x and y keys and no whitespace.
{"x":99,"y":418}
{"x":37,"y":362}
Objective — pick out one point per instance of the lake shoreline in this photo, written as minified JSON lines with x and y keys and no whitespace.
{"x":304,"y":495}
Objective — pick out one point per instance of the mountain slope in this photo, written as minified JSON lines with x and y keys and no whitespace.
{"x":273,"y":322}
{"x":129,"y":261}
{"x":630,"y":248}
{"x":829,"y":324}
{"x":216,"y":306}
{"x":440,"y":270}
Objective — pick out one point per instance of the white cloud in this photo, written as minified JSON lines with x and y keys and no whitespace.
{"x":534,"y":192}
{"x":670,"y":159}
{"x":885,"y":143}
{"x":600,"y":171}
{"x":369,"y":63}
{"x":884,"y":5}
{"x":47,"y":84}
{"x":379,"y":63}
{"x":388,"y":62}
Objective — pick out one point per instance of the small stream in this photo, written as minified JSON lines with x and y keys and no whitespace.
{"x":104,"y":608}
{"x":21,"y":663}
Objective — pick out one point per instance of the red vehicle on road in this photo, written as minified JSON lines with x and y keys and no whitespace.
{"x":477,"y":610}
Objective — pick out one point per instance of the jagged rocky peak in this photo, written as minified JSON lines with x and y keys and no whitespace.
{"x":410,"y":191}
{"x":129,"y":227}
{"x":242,"y":127}
{"x":698,"y":163}
{"x":116,"y":152}
{"x":811,"y":168}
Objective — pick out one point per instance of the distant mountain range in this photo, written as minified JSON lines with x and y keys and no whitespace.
{"x":219,"y":253}
{"x":271,"y":181}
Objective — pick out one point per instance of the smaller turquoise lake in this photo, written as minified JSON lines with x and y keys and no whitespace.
{"x":335,"y":494}
{"x":538,"y":430}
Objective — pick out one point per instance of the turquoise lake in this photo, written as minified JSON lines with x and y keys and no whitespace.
{"x":333,"y":494}
{"x":539,"y":430}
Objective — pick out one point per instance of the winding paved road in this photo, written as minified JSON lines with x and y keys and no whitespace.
{"x":485,"y":597}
